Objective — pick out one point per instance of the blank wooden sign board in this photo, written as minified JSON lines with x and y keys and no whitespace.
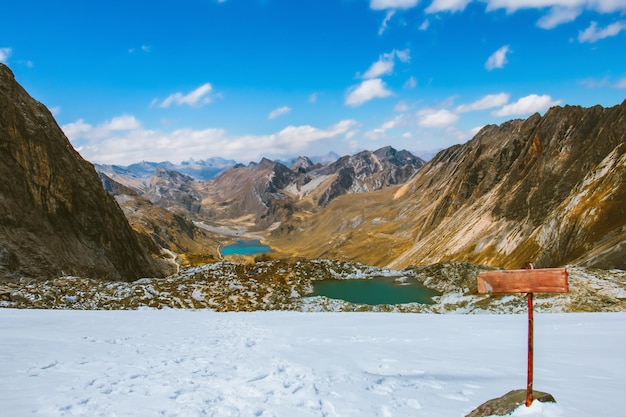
{"x":523,"y":281}
{"x":529,"y":280}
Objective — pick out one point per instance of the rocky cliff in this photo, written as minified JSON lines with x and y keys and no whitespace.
{"x":55,"y":217}
{"x":546,"y":189}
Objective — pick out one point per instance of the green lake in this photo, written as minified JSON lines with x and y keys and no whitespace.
{"x":381,"y":290}
{"x":245,"y":247}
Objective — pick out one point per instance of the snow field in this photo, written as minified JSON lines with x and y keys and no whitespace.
{"x":201,"y":363}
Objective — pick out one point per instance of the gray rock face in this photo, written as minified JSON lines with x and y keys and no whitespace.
{"x":55,"y":216}
{"x":368,"y":171}
{"x":508,"y":403}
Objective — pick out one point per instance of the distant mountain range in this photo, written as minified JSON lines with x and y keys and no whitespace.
{"x":199,"y":170}
{"x":264,"y":193}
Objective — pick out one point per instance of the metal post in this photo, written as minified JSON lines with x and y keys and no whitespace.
{"x":529,"y":378}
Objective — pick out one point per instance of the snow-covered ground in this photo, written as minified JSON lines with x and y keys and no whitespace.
{"x":201,"y":363}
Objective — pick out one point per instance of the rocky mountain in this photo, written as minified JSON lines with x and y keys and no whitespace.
{"x":546,"y":189}
{"x":173,"y":191}
{"x":253,"y":191}
{"x":55,"y":217}
{"x":368,"y":171}
{"x":161,"y":229}
{"x":265,"y":193}
{"x":273,"y":191}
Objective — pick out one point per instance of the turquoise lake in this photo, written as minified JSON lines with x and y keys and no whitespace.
{"x":246,"y":247}
{"x":375,"y":291}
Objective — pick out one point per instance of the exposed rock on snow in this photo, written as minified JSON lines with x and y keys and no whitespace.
{"x":508,"y":403}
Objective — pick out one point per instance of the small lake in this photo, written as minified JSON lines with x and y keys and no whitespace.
{"x":382,"y":290}
{"x":245,"y":247}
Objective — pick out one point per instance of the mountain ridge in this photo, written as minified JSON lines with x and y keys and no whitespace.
{"x":266,"y":192}
{"x":548,"y":189}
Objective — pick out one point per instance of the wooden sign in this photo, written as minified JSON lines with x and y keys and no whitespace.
{"x":523,"y":281}
{"x":527,"y":281}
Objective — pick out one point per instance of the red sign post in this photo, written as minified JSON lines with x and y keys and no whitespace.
{"x":529,"y":280}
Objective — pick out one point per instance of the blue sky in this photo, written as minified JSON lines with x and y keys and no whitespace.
{"x":172,"y":80}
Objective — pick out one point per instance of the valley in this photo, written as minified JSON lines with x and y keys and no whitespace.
{"x":548,"y":189}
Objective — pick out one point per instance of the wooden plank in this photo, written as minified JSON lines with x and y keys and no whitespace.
{"x":524,"y":281}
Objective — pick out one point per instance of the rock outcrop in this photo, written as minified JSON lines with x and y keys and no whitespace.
{"x":55,"y":216}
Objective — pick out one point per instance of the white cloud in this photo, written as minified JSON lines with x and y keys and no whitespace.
{"x":474,"y":131}
{"x":602,"y":6}
{"x":55,"y":110}
{"x":77,"y":130}
{"x":384,"y":66}
{"x":388,"y":17}
{"x":398,"y":121}
{"x":82,"y":130}
{"x":313,"y":98}
{"x":608,"y":6}
{"x":527,"y":105}
{"x":403,"y":55}
{"x":122,"y":140}
{"x":392,"y":4}
{"x":621,"y":83}
{"x":198,"y":97}
{"x":124,"y":122}
{"x":558,"y":15}
{"x":436,"y":118}
{"x":515,"y":5}
{"x":460,"y":136}
{"x":497,"y":59}
{"x":5,"y":53}
{"x":279,"y":112}
{"x":487,"y":102}
{"x":366,"y":91}
{"x":375,"y":134}
{"x":559,"y":11}
{"x":593,"y":83}
{"x":386,"y":62}
{"x":410,"y":83}
{"x":401,"y":106}
{"x":143,"y":48}
{"x":425,"y":24}
{"x":447,"y":6}
{"x":593,"y":34}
